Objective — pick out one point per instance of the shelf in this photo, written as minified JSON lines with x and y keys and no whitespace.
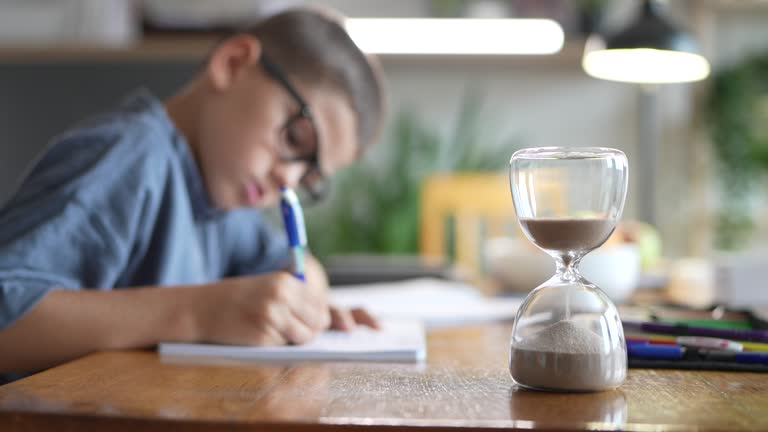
{"x":152,"y":49}
{"x":192,"y":48}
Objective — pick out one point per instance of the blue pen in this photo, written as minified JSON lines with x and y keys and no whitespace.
{"x":657,"y":352}
{"x":646,"y":350}
{"x":738,"y":357}
{"x":293,"y":219}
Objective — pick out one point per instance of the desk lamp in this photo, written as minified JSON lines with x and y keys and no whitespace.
{"x":650,"y":51}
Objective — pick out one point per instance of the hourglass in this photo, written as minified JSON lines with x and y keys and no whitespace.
{"x":567,"y":335}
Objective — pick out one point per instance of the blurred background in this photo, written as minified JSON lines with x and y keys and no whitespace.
{"x":697,"y":150}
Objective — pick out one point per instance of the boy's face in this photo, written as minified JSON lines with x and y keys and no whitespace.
{"x":252,"y":138}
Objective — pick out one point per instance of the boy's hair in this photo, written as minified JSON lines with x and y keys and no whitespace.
{"x":313,"y":47}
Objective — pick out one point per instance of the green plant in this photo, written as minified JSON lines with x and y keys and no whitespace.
{"x":375,"y":204}
{"x":592,"y":6}
{"x":738,"y":117}
{"x":447,"y":8}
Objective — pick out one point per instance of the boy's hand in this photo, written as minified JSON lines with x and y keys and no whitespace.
{"x":348,"y":319}
{"x":271,"y":309}
{"x":341,"y":319}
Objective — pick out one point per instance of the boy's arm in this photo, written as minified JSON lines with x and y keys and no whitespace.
{"x":270,"y":309}
{"x":68,"y":324}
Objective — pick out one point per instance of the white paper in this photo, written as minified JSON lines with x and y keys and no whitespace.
{"x":435,"y":302}
{"x":396,"y":341}
{"x":404,"y":308}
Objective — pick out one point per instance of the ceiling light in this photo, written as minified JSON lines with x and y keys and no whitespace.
{"x":651,"y":50}
{"x":456,"y":36}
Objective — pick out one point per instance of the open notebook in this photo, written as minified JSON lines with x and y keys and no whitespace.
{"x":405,"y":308}
{"x":396,"y":341}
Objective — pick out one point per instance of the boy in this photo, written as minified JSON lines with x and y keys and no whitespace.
{"x":164,"y":194}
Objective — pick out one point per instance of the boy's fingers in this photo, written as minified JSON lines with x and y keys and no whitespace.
{"x":291,"y":329}
{"x":362,"y":316}
{"x":312,"y":313}
{"x":297,"y":332}
{"x":268,"y":336}
{"x":341,"y":319}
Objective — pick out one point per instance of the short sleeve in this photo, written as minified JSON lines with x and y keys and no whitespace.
{"x":72,"y":223}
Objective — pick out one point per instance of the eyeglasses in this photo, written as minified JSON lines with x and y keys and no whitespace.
{"x":301,"y":140}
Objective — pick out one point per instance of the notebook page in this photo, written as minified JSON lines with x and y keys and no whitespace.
{"x":396,"y":341}
{"x":435,"y":302}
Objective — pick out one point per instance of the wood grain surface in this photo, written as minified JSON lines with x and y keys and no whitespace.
{"x":464,"y":384}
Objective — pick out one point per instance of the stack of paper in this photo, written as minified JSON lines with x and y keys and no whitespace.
{"x":396,"y":341}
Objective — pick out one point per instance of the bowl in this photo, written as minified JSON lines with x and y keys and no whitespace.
{"x":519,"y":267}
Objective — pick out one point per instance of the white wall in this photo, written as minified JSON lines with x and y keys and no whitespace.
{"x":544,"y":105}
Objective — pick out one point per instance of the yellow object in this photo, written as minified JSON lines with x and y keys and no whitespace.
{"x":473,"y":200}
{"x":649,"y":242}
{"x":481,"y":207}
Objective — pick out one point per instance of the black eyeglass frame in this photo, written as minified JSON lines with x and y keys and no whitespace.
{"x":318,"y":192}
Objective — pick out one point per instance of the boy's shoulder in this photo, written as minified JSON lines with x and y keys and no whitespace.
{"x":138,"y":128}
{"x":134,"y":142}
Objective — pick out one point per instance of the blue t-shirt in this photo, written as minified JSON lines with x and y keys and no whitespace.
{"x":119,"y":202}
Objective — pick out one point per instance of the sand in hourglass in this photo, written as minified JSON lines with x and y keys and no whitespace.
{"x":568,"y":234}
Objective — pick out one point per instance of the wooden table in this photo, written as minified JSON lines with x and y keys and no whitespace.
{"x":464,"y":384}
